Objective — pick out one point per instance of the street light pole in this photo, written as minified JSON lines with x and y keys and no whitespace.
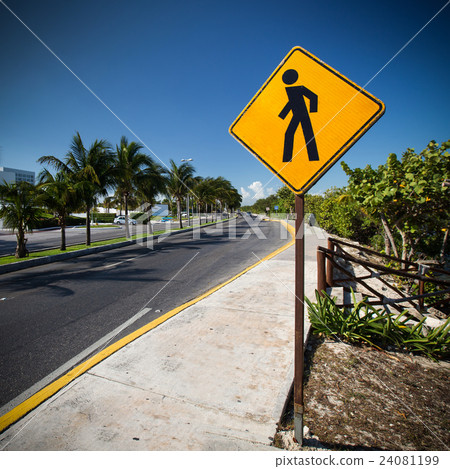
{"x":187,"y":200}
{"x":188,"y":211}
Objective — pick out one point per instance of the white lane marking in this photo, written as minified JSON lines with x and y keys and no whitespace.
{"x":122,"y":262}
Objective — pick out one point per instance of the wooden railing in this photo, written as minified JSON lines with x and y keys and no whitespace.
{"x":421,"y":274}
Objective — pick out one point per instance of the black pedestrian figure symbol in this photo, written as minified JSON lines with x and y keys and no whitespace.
{"x":300,"y":115}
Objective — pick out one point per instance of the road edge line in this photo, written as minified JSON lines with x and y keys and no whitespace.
{"x":51,"y":389}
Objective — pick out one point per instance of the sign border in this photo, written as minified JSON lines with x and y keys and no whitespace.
{"x":347,"y":145}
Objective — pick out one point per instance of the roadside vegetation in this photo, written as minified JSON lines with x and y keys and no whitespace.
{"x":399,"y":208}
{"x":100,"y":175}
{"x":363,"y":323}
{"x":375,"y":380}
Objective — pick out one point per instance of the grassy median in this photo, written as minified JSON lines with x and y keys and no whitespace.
{"x":77,"y":247}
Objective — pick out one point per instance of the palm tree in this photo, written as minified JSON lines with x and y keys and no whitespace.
{"x":223,"y":190}
{"x":234,"y":199}
{"x":130,"y":165}
{"x":204,"y":193}
{"x":20,"y":209}
{"x":152,"y":183}
{"x":179,"y":182}
{"x":61,"y":197}
{"x":109,"y":202}
{"x":90,"y":170}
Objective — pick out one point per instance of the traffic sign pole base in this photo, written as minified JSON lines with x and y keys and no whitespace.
{"x":298,"y":424}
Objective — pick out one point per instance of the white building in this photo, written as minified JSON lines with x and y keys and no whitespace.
{"x":10,"y":175}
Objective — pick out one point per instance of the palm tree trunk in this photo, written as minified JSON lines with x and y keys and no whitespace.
{"x":62,"y":224}
{"x":127,"y":226}
{"x":179,"y":212}
{"x":88,"y":226}
{"x":21,"y":249}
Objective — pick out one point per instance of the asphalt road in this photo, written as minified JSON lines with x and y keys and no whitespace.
{"x":50,"y":316}
{"x":51,"y":239}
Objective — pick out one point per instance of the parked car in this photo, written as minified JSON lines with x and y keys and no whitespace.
{"x":166,"y":219}
{"x":120,"y":220}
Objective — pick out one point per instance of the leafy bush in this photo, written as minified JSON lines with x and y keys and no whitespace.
{"x":103,"y":217}
{"x":408,"y":197}
{"x":52,"y":222}
{"x":75,"y":221}
{"x":337,"y":213}
{"x":364,"y":323}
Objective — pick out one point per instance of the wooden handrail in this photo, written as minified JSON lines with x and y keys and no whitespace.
{"x":385,"y":256}
{"x":383,"y":268}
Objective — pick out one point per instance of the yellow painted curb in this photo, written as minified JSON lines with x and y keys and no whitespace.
{"x":38,"y":398}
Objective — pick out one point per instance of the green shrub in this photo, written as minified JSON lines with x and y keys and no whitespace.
{"x":46,"y":222}
{"x":75,"y":221}
{"x":364,"y":323}
{"x":103,"y":217}
{"x":337,"y":213}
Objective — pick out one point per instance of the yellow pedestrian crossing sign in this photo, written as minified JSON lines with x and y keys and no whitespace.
{"x":304,"y":118}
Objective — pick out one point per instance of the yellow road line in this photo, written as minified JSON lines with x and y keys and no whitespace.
{"x":38,"y":398}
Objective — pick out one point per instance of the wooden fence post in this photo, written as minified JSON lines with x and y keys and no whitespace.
{"x":321,"y":279}
{"x":331,"y":247}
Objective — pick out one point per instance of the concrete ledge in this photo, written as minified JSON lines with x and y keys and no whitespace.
{"x":26,"y":264}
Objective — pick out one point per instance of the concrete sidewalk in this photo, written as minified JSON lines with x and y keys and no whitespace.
{"x":214,"y":377}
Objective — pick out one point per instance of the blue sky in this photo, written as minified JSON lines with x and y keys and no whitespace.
{"x":178,"y":73}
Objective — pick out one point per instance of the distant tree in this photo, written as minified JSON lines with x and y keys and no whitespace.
{"x":225,"y":193}
{"x":109,"y":202}
{"x":90,"y":169}
{"x":408,"y":196}
{"x":286,"y":200}
{"x":20,"y":209}
{"x":128,"y":171}
{"x":338,"y":213}
{"x":152,"y":183}
{"x":261,"y":204}
{"x":60,"y":197}
{"x":234,"y":199}
{"x":204,"y":194}
{"x":179,"y":182}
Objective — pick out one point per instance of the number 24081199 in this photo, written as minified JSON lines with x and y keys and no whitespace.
{"x":410,"y":460}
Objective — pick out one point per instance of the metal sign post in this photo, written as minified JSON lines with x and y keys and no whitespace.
{"x":299,"y":316}
{"x":299,"y":123}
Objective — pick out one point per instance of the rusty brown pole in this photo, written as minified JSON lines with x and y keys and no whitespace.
{"x":421,"y":292}
{"x":321,"y":280}
{"x":331,"y":247}
{"x":299,"y":316}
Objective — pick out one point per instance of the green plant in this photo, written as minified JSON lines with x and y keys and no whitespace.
{"x":88,"y":169}
{"x":130,"y":167}
{"x":61,"y":197}
{"x":364,"y":323}
{"x":20,"y":209}
{"x":179,"y":181}
{"x":103,"y":217}
{"x":409,"y":198}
